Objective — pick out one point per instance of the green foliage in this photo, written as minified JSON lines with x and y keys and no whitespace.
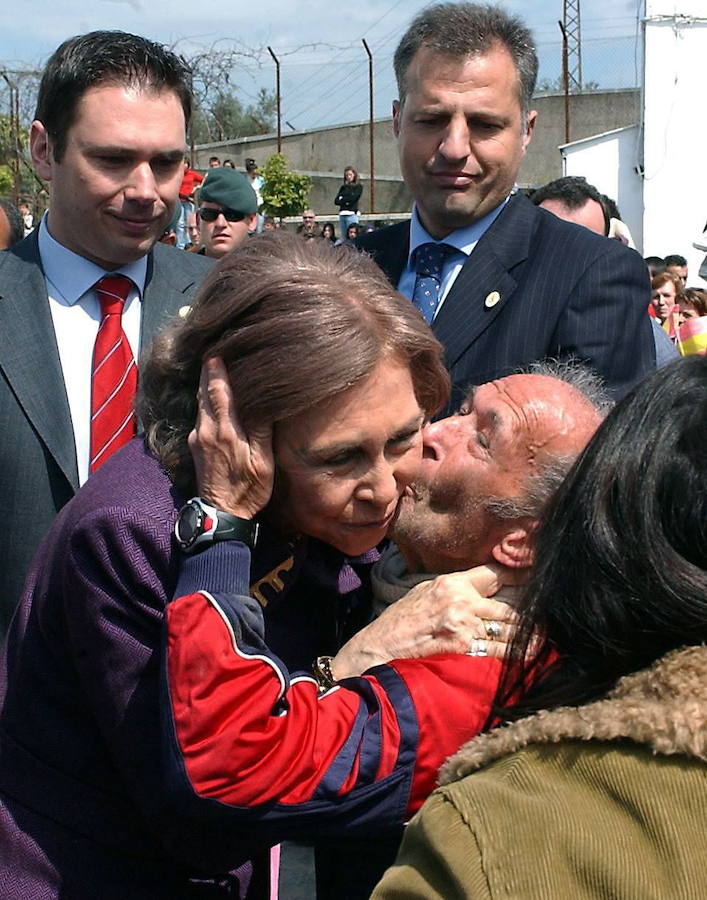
{"x":557,"y":86}
{"x":223,"y":117}
{"x":8,"y":143}
{"x":8,"y":139}
{"x":219,"y":114}
{"x":7,"y":182}
{"x":285,"y":193}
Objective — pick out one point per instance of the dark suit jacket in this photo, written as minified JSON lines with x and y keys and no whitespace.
{"x":38,"y":472}
{"x":564,"y":291}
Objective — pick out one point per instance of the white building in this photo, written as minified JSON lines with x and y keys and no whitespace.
{"x":657,"y":170}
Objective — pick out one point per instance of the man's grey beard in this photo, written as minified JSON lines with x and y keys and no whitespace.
{"x":419,"y":525}
{"x":407,"y":509}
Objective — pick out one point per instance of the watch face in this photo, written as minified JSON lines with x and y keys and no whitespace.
{"x":188,"y":525}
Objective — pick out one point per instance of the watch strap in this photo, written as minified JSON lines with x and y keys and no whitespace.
{"x":215,"y":525}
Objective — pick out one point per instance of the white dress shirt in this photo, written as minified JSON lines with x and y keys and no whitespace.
{"x":464,"y":239}
{"x":76,"y":313}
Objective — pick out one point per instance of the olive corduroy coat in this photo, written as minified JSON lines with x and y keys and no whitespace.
{"x":607,"y":800}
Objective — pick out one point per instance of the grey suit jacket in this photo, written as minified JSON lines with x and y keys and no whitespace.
{"x":560,"y":291}
{"x":38,"y":472}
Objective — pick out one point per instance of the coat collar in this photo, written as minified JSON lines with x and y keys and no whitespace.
{"x":663,"y":708}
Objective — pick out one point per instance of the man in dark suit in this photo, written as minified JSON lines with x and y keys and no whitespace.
{"x":502,"y":282}
{"x":109,"y":137}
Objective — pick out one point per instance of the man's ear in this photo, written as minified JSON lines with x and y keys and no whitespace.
{"x":40,"y":146}
{"x":396,"y":117}
{"x":529,"y":129}
{"x":515,"y":548}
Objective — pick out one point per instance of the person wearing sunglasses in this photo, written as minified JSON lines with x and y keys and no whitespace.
{"x":227,"y":212}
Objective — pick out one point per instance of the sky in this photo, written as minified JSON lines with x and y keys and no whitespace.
{"x":324,"y":66}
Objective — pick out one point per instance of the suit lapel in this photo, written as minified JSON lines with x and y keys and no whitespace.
{"x":485,"y":285}
{"x":166,"y":285}
{"x":389,"y":248}
{"x":29,"y":357}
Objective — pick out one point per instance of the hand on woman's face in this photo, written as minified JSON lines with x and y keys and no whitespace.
{"x":343,"y":466}
{"x":234,"y":470}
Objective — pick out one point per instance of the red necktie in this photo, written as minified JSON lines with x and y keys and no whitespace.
{"x":113,"y":375}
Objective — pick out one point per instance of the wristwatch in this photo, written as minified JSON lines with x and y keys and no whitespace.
{"x":199,"y":525}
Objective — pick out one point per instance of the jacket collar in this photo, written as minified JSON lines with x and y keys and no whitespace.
{"x":663,"y":708}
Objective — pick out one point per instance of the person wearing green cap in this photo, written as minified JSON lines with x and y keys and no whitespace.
{"x":227,"y":211}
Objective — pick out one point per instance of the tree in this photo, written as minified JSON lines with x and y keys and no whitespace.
{"x":219,"y":114}
{"x":285,"y":193}
{"x":7,"y":180}
{"x":10,"y":138}
{"x":14,"y":140}
{"x":557,"y":86}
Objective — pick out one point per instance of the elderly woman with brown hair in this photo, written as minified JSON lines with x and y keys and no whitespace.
{"x":334,"y":375}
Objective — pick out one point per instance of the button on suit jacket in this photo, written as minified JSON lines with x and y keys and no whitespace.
{"x":564,"y":292}
{"x":38,"y":471}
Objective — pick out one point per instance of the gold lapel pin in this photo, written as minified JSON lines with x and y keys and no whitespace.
{"x":492,"y":299}
{"x":184,"y":311}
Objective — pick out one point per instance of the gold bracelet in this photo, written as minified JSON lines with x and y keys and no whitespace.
{"x":322,"y":672}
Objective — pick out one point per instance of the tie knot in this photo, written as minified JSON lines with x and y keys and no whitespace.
{"x":429,"y":258}
{"x":112,"y":292}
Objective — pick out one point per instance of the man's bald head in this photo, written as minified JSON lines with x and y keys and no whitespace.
{"x":488,"y":471}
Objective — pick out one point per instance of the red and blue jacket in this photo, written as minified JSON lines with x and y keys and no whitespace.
{"x":260,"y":746}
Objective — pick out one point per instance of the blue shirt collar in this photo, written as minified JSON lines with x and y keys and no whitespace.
{"x":73,"y":275}
{"x":464,"y":239}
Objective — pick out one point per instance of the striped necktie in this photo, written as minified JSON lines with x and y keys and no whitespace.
{"x":429,"y":259}
{"x":113,"y":375}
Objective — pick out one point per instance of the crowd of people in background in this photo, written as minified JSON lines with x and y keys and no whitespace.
{"x":680,"y":310}
{"x":196,"y":229}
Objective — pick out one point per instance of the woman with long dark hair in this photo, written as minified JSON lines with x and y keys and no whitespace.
{"x":596,"y":786}
{"x":328,"y":232}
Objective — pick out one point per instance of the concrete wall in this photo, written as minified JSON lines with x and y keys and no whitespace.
{"x":323,"y":152}
{"x":675,"y":129}
{"x":391,"y":194}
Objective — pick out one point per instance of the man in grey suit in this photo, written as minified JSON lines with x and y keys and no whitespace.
{"x":503,"y":283}
{"x":108,"y":136}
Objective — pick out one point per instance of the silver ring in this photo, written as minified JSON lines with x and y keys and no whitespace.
{"x":493,"y":629}
{"x":478,"y":648}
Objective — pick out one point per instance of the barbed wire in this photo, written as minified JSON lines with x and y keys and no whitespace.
{"x":324,"y":83}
